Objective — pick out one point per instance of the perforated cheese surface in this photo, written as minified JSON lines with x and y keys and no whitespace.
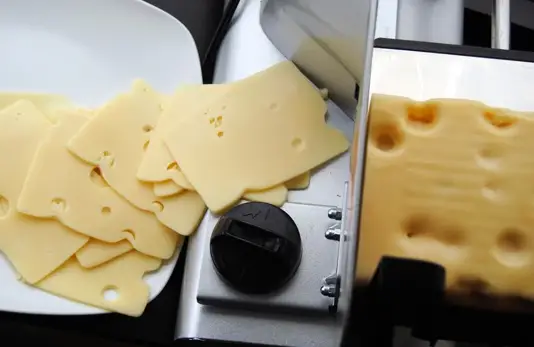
{"x":118,"y":157}
{"x":451,"y":182}
{"x":121,"y":277}
{"x":270,"y":129}
{"x":61,"y":185}
{"x":34,"y":246}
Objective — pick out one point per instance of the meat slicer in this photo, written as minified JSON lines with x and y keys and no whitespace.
{"x":354,"y":48}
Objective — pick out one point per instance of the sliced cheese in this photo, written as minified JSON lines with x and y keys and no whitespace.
{"x":299,"y":182}
{"x":122,"y":277}
{"x":34,"y":246}
{"x":63,"y":186}
{"x":157,"y":163}
{"x":118,"y":157}
{"x":46,"y":103}
{"x":267,"y":130}
{"x":166,"y":188}
{"x":275,"y":196}
{"x":97,"y":252}
{"x":450,"y":181}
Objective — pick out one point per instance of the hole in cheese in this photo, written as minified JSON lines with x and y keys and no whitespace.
{"x":58,"y":205}
{"x":110,"y":293}
{"x":298,"y":144}
{"x":273,"y":106}
{"x":145,"y":145}
{"x":130,"y":235}
{"x":147,"y":128}
{"x":218,"y":121}
{"x":158,"y":206}
{"x":106,"y":157}
{"x":512,"y":240}
{"x":220,"y":133}
{"x":97,"y":179}
{"x":105,"y":210}
{"x":172,"y":166}
{"x":4,"y":207}
{"x":212,"y":120}
{"x":386,"y":137}
{"x":422,"y":115}
{"x":492,"y":190}
{"x":424,"y":227}
{"x":489,"y":157}
{"x":499,"y":119}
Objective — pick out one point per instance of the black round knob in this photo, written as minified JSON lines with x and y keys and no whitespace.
{"x":256,"y":248}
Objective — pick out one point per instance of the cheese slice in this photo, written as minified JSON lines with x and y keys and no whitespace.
{"x":118,"y":157}
{"x":275,"y":196}
{"x":267,"y":130}
{"x":123,"y":277}
{"x":450,"y":181}
{"x":300,"y":182}
{"x":157,"y":164}
{"x":96,"y":252}
{"x":46,"y":103}
{"x":166,"y":188}
{"x":34,"y":246}
{"x":63,"y":186}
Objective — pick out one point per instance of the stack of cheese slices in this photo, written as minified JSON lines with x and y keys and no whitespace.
{"x":91,"y":200}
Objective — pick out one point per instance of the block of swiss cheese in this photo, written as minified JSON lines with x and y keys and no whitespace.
{"x":452,"y":182}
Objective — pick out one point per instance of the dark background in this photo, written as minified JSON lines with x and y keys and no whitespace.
{"x":156,"y":326}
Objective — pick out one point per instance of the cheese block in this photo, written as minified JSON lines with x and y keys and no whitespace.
{"x":34,"y":246}
{"x":118,"y":157}
{"x":267,"y":130}
{"x":300,"y":182}
{"x":166,"y":188}
{"x":450,"y":181}
{"x":46,"y":103}
{"x":96,"y":252}
{"x":63,"y":186}
{"x":117,"y":285}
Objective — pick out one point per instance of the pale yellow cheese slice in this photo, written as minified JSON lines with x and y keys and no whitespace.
{"x":276,"y":196}
{"x":118,"y":157}
{"x":451,"y":182}
{"x":158,"y":165}
{"x":34,"y":246}
{"x":123,"y":276}
{"x":267,"y":130}
{"x":46,"y":103}
{"x":300,"y":182}
{"x":61,"y":185}
{"x":166,"y":188}
{"x":96,"y":252}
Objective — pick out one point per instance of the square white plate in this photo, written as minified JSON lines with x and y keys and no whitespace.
{"x":88,"y":50}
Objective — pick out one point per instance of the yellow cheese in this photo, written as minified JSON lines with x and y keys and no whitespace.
{"x":299,"y":182}
{"x":276,"y":196}
{"x":46,"y":103}
{"x":96,"y":252}
{"x":267,"y":130}
{"x":63,"y":186}
{"x":166,"y":188}
{"x":451,"y":182}
{"x":158,"y":165}
{"x":118,"y":157}
{"x":122,"y":277}
{"x":34,"y":246}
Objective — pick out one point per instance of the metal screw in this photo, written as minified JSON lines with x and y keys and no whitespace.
{"x":329,"y":290}
{"x":334,"y":213}
{"x":334,"y":232}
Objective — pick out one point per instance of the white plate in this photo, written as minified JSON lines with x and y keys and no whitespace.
{"x":89,"y":50}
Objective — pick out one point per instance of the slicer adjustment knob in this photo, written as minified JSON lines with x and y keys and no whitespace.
{"x":256,"y":248}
